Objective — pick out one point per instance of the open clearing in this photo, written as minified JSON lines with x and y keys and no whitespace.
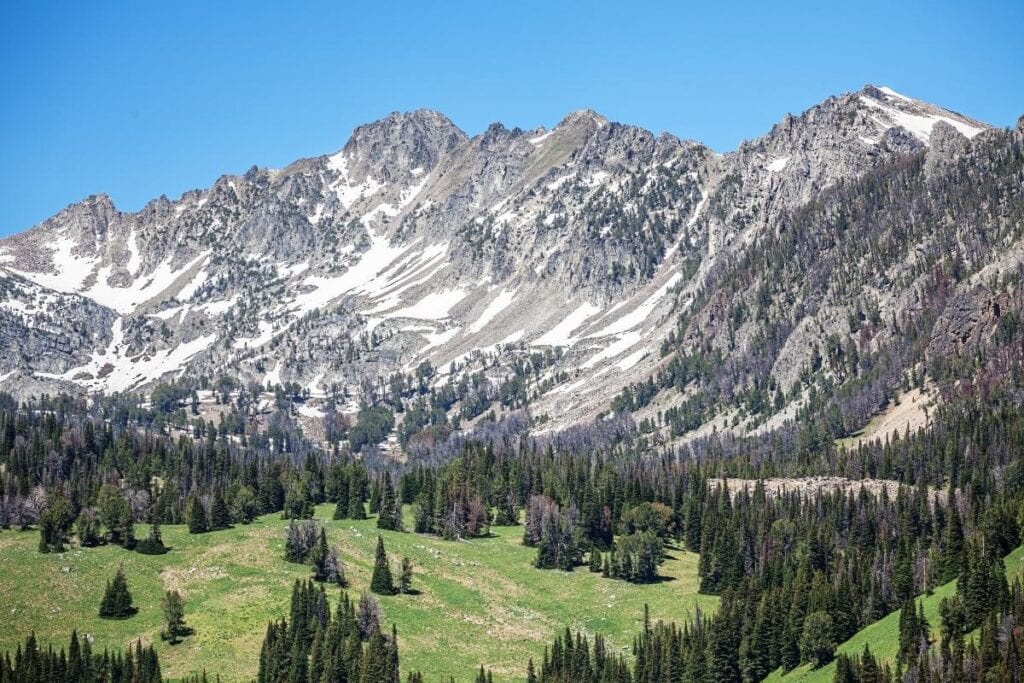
{"x":481,"y":601}
{"x":909,"y":411}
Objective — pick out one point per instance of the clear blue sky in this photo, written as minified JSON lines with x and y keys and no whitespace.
{"x":138,"y":99}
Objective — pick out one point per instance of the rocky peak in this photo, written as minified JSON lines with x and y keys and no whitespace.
{"x":947,"y":143}
{"x":402,"y":141}
{"x":582,"y":120}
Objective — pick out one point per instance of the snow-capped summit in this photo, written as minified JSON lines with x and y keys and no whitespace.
{"x":890,"y":109}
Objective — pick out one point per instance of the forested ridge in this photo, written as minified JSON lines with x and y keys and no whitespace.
{"x":799,"y":571}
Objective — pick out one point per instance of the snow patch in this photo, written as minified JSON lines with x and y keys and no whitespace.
{"x":500,"y":303}
{"x":190,"y":288}
{"x":919,"y":125}
{"x":219,"y":307}
{"x":537,"y":141}
{"x":631,"y":360}
{"x":561,"y":334}
{"x":614,"y":349}
{"x":434,"y":306}
{"x":273,"y":377}
{"x":126,"y":372}
{"x":638,"y":315}
{"x":309,"y":411}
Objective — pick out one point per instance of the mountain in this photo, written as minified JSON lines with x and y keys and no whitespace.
{"x":571,"y":269}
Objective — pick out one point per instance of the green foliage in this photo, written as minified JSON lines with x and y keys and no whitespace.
{"x":174,"y":618}
{"x":381,"y":582}
{"x":373,"y":425}
{"x":117,"y":599}
{"x":636,"y":557}
{"x":54,"y":524}
{"x":195,"y":516}
{"x":78,"y":664}
{"x":405,"y":576}
{"x":656,"y":518}
{"x":220,"y":517}
{"x":116,"y":515}
{"x":389,"y":510}
{"x":817,"y":642}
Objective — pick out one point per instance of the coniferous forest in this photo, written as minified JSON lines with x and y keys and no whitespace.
{"x":798,"y":571}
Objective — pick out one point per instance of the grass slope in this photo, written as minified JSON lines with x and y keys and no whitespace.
{"x":883,"y":635}
{"x":481,"y":601}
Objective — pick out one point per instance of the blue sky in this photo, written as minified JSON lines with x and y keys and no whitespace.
{"x":138,"y":99}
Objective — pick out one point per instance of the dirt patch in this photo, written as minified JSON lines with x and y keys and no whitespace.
{"x":179,"y":578}
{"x":910,"y":411}
{"x":812,"y":485}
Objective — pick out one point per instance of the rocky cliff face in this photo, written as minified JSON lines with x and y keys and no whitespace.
{"x":417,"y":243}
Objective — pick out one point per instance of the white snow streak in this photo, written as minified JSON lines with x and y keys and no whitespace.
{"x":500,"y":303}
{"x":561,"y":334}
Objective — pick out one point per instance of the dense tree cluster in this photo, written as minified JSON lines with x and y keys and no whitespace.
{"x":313,"y":645}
{"x":79,"y":664}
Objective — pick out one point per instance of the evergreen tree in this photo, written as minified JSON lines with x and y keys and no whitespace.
{"x":595,"y":560}
{"x":54,"y":524}
{"x":405,"y":576}
{"x":174,"y":618}
{"x":817,"y":642}
{"x":87,"y":528}
{"x":356,"y":507}
{"x":381,"y":581}
{"x":153,"y":544}
{"x":319,"y":558}
{"x":116,"y":515}
{"x":390,"y":513}
{"x":220,"y":517}
{"x":195,"y":515}
{"x":117,"y":599}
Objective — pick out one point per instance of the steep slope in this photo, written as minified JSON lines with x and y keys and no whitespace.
{"x":904,"y":276}
{"x":572,"y":250}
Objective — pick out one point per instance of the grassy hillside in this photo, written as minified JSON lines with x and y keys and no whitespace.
{"x":883,"y":635}
{"x":481,"y":603}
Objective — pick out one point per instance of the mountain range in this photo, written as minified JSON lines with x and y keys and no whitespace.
{"x":868,"y":248}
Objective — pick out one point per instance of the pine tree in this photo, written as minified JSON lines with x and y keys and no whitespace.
{"x":153,"y":544}
{"x":174,"y":616}
{"x":319,"y":557}
{"x":390,"y":513}
{"x":381,"y":581}
{"x":909,"y":636}
{"x":117,"y":599}
{"x":595,"y":559}
{"x":220,"y":517}
{"x":376,"y":661}
{"x":341,"y":505}
{"x":88,"y":529}
{"x":405,"y":576}
{"x":196,"y":515}
{"x":356,"y":508}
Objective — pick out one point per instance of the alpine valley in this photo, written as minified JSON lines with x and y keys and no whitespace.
{"x":621,"y":408}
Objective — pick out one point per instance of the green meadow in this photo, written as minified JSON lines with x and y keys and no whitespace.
{"x":480,"y":601}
